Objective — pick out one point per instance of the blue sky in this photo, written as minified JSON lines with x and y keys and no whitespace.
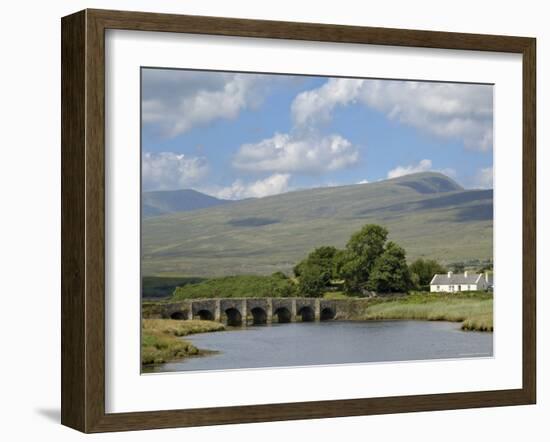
{"x":241,"y":135}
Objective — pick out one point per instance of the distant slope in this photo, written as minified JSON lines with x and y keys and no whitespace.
{"x":170,"y":201}
{"x":428,"y":213}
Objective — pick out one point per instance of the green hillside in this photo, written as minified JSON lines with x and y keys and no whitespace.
{"x":428,"y":213}
{"x":170,"y":201}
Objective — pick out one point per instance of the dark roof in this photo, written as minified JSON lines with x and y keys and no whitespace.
{"x":458,"y":278}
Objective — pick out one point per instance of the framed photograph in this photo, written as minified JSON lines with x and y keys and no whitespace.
{"x":267,"y":220}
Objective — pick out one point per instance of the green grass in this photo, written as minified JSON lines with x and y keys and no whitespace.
{"x":474,"y":310}
{"x":481,"y":322}
{"x":232,"y":239}
{"x":335,"y":295}
{"x":242,"y":286}
{"x":161,"y":342}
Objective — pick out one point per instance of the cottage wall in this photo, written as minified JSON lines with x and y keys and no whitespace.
{"x":453,"y":283}
{"x":452,"y":288}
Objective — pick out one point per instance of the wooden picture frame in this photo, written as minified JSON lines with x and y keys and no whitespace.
{"x":83,"y":220}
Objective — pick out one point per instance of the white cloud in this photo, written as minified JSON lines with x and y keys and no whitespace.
{"x":311,"y":106}
{"x":422,"y":166}
{"x":365,"y":181}
{"x":484,"y":178}
{"x":447,"y":171}
{"x":177,"y":101}
{"x":272,"y":185}
{"x":169,"y":170}
{"x":447,"y":110}
{"x":289,"y":153}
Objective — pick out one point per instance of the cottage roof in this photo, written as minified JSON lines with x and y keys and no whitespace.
{"x":457,"y":278}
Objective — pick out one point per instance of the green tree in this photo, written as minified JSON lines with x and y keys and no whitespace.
{"x":322,"y":257}
{"x":362,"y":250}
{"x":340,"y":258}
{"x":279,"y":275}
{"x":390,"y":272}
{"x":422,"y":271}
{"x":286,"y":290}
{"x":486,"y":267}
{"x":368,"y":242}
{"x":457,"y":267}
{"x":313,"y":280}
{"x":297,"y":269}
{"x":415,"y":280}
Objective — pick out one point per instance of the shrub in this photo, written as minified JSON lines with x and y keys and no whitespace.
{"x":241,"y":286}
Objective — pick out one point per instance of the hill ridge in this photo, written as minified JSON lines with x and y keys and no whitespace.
{"x":435,"y":219}
{"x":159,"y":202}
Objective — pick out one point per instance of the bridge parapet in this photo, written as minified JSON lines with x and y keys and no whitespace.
{"x":328,"y":308}
{"x":175,"y":310}
{"x":228,"y":303}
{"x":208,"y":309}
{"x":308,"y":309}
{"x":284,"y":309}
{"x":236,"y":311}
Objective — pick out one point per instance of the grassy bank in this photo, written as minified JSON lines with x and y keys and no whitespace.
{"x":474,"y":310}
{"x":161,"y":339}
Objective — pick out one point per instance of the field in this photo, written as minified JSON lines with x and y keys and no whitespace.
{"x":428,"y":214}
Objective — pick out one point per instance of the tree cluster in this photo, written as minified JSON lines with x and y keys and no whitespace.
{"x":369,"y":262}
{"x":316,"y":272}
{"x":422,"y":272}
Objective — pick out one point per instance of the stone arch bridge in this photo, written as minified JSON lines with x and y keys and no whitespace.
{"x":242,"y":311}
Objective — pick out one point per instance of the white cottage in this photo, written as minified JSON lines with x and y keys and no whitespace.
{"x":461,"y":282}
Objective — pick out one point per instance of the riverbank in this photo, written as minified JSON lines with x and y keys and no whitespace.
{"x":161,"y":339}
{"x":473,"y":310}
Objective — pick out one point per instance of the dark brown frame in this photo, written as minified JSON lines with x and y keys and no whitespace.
{"x":83,"y":216}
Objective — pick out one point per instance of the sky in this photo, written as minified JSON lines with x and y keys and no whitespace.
{"x":243,"y":135}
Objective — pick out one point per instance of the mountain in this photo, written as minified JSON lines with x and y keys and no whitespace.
{"x":427,"y":213}
{"x":170,"y":201}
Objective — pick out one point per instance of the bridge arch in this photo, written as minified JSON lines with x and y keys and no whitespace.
{"x":234,"y":317}
{"x":327,"y":313}
{"x":259,"y":316}
{"x":205,"y":315}
{"x":283,"y":315}
{"x":179,"y":315}
{"x":307,"y":313}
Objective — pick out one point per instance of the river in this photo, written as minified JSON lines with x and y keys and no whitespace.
{"x":332,"y":342}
